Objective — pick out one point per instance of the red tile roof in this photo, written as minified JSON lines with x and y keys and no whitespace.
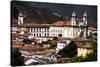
{"x":85,"y":46}
{"x":58,"y":23}
{"x":19,"y":42}
{"x":36,"y":25}
{"x":18,"y":34}
{"x":68,"y":23}
{"x":30,"y":47}
{"x":45,"y":52}
{"x":92,"y":28}
{"x":62,"y":23}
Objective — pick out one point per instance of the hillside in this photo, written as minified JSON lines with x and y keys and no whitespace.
{"x":32,"y":14}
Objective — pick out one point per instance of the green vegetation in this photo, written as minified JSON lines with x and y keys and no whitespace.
{"x":27,"y":41}
{"x":94,"y":44}
{"x":53,"y":43}
{"x":89,"y":57}
{"x":16,"y":58}
{"x":69,"y":51}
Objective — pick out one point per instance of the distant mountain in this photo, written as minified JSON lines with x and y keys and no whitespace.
{"x":33,"y":14}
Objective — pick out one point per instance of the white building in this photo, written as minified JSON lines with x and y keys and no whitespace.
{"x":38,"y":30}
{"x":20,"y":21}
{"x":70,"y":28}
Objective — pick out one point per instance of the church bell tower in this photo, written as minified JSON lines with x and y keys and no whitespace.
{"x":73,"y":19}
{"x":85,"y":18}
{"x":85,"y":24}
{"x":20,"y":19}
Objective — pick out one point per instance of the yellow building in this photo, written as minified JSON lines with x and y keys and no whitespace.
{"x":83,"y":50}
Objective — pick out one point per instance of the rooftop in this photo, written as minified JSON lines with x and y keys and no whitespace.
{"x":36,"y":25}
{"x":56,"y":23}
{"x":87,"y":46}
{"x":19,"y":42}
{"x":92,"y":28}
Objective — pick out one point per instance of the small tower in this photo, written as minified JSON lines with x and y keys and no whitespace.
{"x":85,"y":23}
{"x":73,"y":23}
{"x":73,"y":19}
{"x":20,"y":19}
{"x":85,"y":18}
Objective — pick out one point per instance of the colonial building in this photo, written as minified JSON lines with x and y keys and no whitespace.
{"x":70,"y":28}
{"x":20,"y":21}
{"x":38,"y":30}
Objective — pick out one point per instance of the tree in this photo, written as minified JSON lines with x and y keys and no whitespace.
{"x":94,"y":45}
{"x":55,"y":38}
{"x":16,"y":58}
{"x":89,"y":57}
{"x":94,"y":48}
{"x":77,"y":59}
{"x":27,"y":41}
{"x":70,"y":50}
{"x":53,"y":43}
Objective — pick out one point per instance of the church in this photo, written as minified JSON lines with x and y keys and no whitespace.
{"x":69,"y":28}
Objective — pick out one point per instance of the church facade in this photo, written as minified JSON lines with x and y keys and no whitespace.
{"x":72,"y":28}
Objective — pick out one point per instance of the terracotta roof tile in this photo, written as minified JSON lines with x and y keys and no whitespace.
{"x":58,"y":23}
{"x":68,"y":23}
{"x":85,"y":46}
{"x":36,"y":25}
{"x":92,"y":28}
{"x":19,"y":42}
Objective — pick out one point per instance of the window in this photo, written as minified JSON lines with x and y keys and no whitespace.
{"x":45,"y":34}
{"x":34,"y":35}
{"x":36,"y":29}
{"x":37,"y":35}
